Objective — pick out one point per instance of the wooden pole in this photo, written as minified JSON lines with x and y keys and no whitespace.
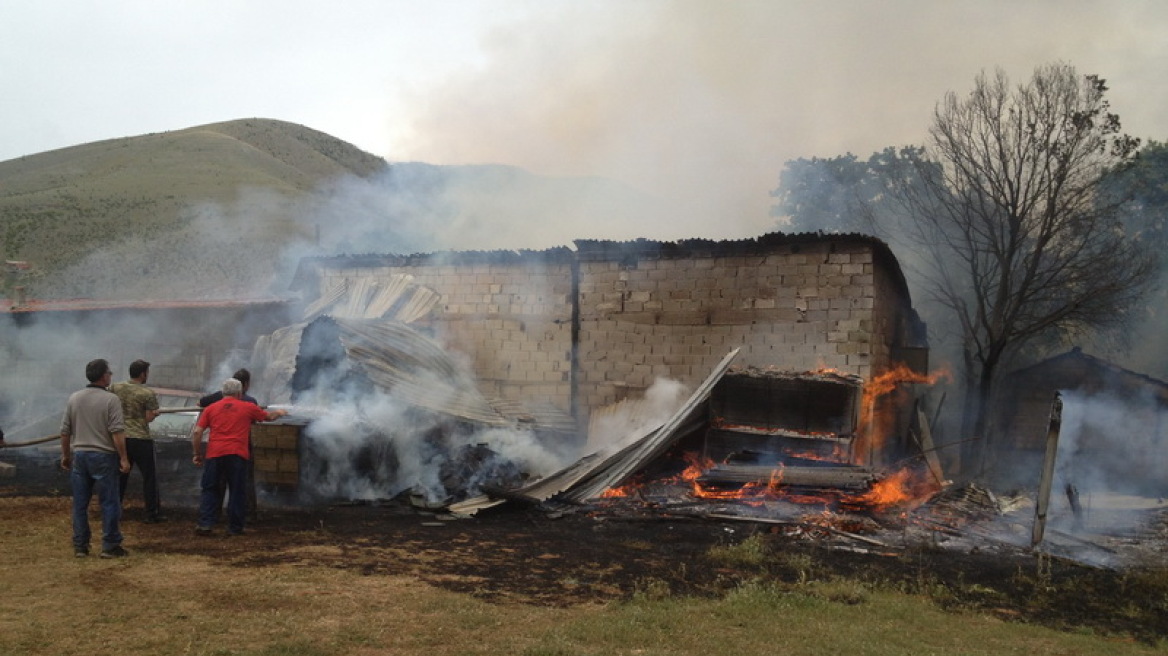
{"x":1042,"y":504}
{"x":924,"y":440}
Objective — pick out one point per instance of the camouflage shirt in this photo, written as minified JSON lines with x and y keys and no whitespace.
{"x":137,"y":400}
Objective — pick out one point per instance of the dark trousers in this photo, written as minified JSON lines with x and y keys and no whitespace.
{"x":233,"y":470}
{"x":141,"y":455}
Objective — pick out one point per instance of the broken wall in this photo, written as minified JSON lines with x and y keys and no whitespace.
{"x":588,"y":328}
{"x":509,"y":313}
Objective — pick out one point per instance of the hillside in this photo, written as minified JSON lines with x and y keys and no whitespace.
{"x":226,"y":210}
{"x":201,"y":211}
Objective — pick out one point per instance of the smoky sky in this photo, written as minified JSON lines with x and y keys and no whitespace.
{"x":697,"y":102}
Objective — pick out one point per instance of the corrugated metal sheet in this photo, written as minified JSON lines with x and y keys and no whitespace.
{"x":395,"y":296}
{"x":617,"y":469}
{"x":541,"y":490}
{"x":541,"y":415}
{"x":331,"y":295}
{"x":415,"y":368}
{"x":590,"y":476}
{"x":394,"y":357}
{"x":615,"y":426}
{"x":273,"y":362}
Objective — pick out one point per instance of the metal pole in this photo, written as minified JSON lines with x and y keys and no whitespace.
{"x":1042,"y":504}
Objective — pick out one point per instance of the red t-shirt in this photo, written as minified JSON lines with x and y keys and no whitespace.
{"x":229,"y":421}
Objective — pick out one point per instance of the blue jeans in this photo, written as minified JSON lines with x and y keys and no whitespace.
{"x":233,"y":470}
{"x":96,"y":471}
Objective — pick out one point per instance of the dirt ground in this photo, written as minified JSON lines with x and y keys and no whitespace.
{"x":522,"y":554}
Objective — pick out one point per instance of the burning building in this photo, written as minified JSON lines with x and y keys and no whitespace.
{"x":810,"y":321}
{"x":409,"y":368}
{"x":588,"y":327}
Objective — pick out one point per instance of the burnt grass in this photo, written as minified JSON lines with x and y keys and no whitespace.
{"x":522,"y":554}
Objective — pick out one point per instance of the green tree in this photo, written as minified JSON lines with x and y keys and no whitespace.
{"x":845,"y":194}
{"x":1144,"y":185}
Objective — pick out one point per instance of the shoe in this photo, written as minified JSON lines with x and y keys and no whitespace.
{"x":202,"y":530}
{"x":80,"y":552}
{"x":114,"y":552}
{"x":156,"y":519}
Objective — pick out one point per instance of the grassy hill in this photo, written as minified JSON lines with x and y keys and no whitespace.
{"x":201,"y":211}
{"x":226,"y":210}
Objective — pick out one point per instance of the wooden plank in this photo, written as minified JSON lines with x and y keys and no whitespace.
{"x":924,"y":439}
{"x":841,"y":477}
{"x":1042,"y":504}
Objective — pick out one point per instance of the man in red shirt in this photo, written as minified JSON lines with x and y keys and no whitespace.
{"x":229,"y":421}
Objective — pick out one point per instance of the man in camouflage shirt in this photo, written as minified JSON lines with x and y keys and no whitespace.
{"x":140,"y":407}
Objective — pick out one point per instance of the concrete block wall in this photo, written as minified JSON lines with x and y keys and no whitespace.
{"x":511,"y":319}
{"x":647,"y":310}
{"x":798,"y":308}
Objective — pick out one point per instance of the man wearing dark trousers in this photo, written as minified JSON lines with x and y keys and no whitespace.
{"x":244,"y":378}
{"x":140,"y":407}
{"x":228,"y":421}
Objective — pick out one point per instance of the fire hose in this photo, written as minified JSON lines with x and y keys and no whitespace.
{"x":50,"y":438}
{"x":39,"y":440}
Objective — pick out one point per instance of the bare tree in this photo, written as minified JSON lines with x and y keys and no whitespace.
{"x":1020,"y":245}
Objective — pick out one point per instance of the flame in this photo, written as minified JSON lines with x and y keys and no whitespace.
{"x":619,"y":492}
{"x":905,"y":488}
{"x":876,"y":425}
{"x":899,"y":489}
{"x":696,"y":466}
{"x":891,"y":490}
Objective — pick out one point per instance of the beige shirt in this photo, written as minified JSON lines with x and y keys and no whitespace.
{"x":92,"y":416}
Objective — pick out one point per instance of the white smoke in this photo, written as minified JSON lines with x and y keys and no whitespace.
{"x":369,"y":438}
{"x":614,"y":427}
{"x":376,"y":447}
{"x":1110,"y":454}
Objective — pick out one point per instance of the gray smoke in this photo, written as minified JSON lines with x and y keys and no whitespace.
{"x":1111,"y":454}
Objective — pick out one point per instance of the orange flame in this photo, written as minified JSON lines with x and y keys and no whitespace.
{"x":901,"y":489}
{"x":619,"y":492}
{"x":875,"y":423}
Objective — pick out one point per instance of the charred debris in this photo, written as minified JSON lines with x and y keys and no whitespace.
{"x":790,"y":451}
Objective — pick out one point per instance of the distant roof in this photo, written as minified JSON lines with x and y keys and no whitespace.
{"x":88,"y":304}
{"x":1041,"y":370}
{"x":309,"y":265}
